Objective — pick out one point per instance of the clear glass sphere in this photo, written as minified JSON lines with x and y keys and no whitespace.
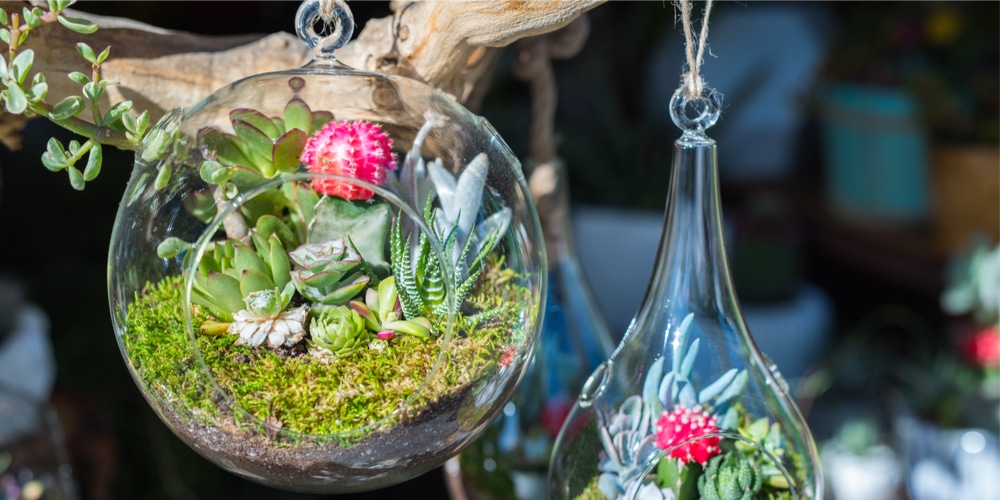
{"x":326,"y":280}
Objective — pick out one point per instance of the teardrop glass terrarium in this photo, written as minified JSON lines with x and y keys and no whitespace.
{"x":326,"y":279}
{"x":687,"y":407}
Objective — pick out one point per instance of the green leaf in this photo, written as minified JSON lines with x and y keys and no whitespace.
{"x":143,"y":122}
{"x":38,"y":78}
{"x":55,"y":148}
{"x":256,"y":145}
{"x":86,"y":52}
{"x":52,"y":163}
{"x":298,"y":115}
{"x":269,"y":225}
{"x":74,"y":146}
{"x":3,"y":17}
{"x":222,"y":146}
{"x":115,"y":113}
{"x":201,"y":204}
{"x":93,"y":92}
{"x":53,"y":6}
{"x":17,"y":102}
{"x":154,"y":145}
{"x":66,"y":108}
{"x":162,"y":177}
{"x":81,"y":26}
{"x":38,"y":92}
{"x":366,"y":224}
{"x":257,"y":119}
{"x":79,"y":77}
{"x":75,"y":178}
{"x":254,"y":281}
{"x":171,"y":247}
{"x":21,"y":65}
{"x":104,"y":54}
{"x":247,"y":259}
{"x":94,"y":160}
{"x":5,"y":36}
{"x":288,"y":149}
{"x":4,"y":71}
{"x":30,"y":18}
{"x":62,"y":5}
{"x":130,"y":122}
{"x":321,"y":118}
{"x":222,"y":292}
{"x":281,"y":268}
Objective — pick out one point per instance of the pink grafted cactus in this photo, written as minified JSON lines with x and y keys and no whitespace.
{"x":685,"y":424}
{"x":356,"y":149}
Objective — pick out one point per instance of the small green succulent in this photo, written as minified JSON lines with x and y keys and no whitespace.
{"x":338,"y":330}
{"x":330,"y":272}
{"x":730,"y":476}
{"x":231,"y":270}
{"x":382,"y":313}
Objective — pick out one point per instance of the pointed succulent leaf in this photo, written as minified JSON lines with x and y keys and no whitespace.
{"x":371,"y":320}
{"x":350,"y":287}
{"x":734,"y":389}
{"x":245,"y":178}
{"x":687,"y":396}
{"x":303,"y":207}
{"x":681,"y":339}
{"x":257,"y":119}
{"x":287,"y":150}
{"x":298,"y":115}
{"x":651,"y":384}
{"x":223,"y":292}
{"x":37,"y":91}
{"x":278,"y":262}
{"x":688,"y":363}
{"x":339,"y":330}
{"x":256,"y":145}
{"x":716,"y":388}
{"x":254,"y":281}
{"x":469,"y":193}
{"x":367,"y":225}
{"x":247,"y":258}
{"x":270,"y":225}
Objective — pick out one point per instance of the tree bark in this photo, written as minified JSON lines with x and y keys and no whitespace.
{"x":449,"y":45}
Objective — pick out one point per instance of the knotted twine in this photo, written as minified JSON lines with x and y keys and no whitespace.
{"x":691,"y":80}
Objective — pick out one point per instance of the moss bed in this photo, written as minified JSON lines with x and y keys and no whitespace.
{"x":295,"y":391}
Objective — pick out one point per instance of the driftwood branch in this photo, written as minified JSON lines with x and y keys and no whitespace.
{"x":450,"y":45}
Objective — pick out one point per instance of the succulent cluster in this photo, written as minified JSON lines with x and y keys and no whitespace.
{"x":703,"y":444}
{"x":313,"y":259}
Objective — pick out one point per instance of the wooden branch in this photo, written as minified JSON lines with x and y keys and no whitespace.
{"x":450,"y":45}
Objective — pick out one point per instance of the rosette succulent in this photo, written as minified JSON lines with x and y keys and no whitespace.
{"x":729,"y":477}
{"x":338,"y":330}
{"x":329,"y":272}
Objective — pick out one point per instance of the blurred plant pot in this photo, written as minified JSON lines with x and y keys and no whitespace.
{"x":965,"y":195}
{"x":875,"y":155}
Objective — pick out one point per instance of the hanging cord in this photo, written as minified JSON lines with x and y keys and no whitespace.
{"x":326,"y":10}
{"x":692,"y":82}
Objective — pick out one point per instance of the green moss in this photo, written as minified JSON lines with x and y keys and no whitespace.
{"x":304,"y":393}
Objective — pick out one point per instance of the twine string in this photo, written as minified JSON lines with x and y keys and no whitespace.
{"x":692,"y":81}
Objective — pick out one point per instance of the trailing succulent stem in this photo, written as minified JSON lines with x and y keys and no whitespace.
{"x":119,"y":126}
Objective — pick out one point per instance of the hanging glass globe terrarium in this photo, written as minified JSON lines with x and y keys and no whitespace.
{"x":326,"y":279}
{"x":687,"y":407}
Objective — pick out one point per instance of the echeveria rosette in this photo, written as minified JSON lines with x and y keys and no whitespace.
{"x":265,"y":318}
{"x":338,"y":330}
{"x":357,"y":149}
{"x":328,"y":272}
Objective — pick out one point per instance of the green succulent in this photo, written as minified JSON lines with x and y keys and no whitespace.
{"x":261,"y":147}
{"x":338,"y":329}
{"x":231,"y":270}
{"x":731,"y":476}
{"x":381,"y":312}
{"x":330,"y":272}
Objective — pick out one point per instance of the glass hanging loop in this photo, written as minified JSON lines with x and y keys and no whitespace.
{"x":695,"y":115}
{"x":337,"y":25}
